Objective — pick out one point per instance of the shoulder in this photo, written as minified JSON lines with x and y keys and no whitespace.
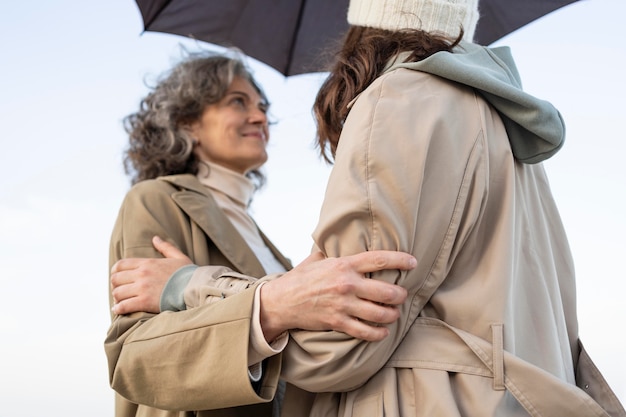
{"x":154,"y":204}
{"x":166,"y":185}
{"x":149,"y":186}
{"x":414,"y":101}
{"x":153,"y":192}
{"x":148,"y":190}
{"x":412,"y":87}
{"x":424,"y":115}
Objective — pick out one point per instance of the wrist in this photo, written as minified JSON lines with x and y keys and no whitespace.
{"x":270,"y":316}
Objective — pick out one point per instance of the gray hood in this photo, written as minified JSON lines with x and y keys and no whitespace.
{"x":535,"y":127}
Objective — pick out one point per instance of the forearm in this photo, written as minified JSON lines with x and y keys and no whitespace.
{"x":262,"y":347}
{"x":140,"y":352}
{"x":331,"y":361}
{"x":195,"y":285}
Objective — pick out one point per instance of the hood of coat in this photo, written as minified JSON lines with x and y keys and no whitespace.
{"x":535,"y":127}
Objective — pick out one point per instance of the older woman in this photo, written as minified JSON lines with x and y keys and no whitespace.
{"x":196,"y":145}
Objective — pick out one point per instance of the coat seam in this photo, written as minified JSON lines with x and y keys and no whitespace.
{"x":449,"y":235}
{"x":368,"y":180}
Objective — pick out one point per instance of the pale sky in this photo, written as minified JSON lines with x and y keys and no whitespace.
{"x":71,"y":70}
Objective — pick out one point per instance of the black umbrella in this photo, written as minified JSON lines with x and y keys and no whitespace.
{"x":292,"y":36}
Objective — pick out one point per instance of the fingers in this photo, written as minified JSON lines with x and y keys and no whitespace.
{"x":378,"y":260}
{"x":123,"y":307}
{"x":130,"y":305}
{"x":345,"y":281}
{"x":122,"y":292}
{"x":368,"y":323}
{"x":167,"y":249}
{"x":137,"y":283}
{"x":124,"y":295}
{"x":376,"y":314}
{"x":124,"y":265}
{"x":119,"y":309}
{"x":372,"y":261}
{"x":128,"y":270}
{"x":365,"y":331}
{"x":381,"y":292}
{"x":364,"y":318}
{"x":137,"y":296}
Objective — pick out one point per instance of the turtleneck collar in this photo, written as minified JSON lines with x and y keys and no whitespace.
{"x":236,"y":186}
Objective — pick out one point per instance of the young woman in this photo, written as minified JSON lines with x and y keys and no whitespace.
{"x":438,"y":152}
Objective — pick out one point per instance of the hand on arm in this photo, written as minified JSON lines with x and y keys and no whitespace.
{"x":137,"y":283}
{"x":333,"y":294}
{"x":319,"y":294}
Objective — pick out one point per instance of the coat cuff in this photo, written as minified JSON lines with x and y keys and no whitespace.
{"x":259,"y":349}
{"x":172,"y":297}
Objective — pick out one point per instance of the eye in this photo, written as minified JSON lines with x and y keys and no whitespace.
{"x":238,"y":101}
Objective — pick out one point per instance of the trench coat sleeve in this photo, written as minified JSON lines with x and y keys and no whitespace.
{"x":187,"y":360}
{"x":409,"y":175}
{"x":207,"y":285}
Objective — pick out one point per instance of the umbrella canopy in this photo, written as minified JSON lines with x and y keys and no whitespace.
{"x":294,"y":36}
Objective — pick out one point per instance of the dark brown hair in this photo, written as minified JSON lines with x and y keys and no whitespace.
{"x":363,"y":56}
{"x":159,"y":143}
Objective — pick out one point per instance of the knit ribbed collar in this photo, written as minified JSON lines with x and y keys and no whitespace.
{"x":236,"y":186}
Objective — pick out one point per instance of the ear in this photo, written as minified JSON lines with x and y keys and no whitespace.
{"x":191,"y":130}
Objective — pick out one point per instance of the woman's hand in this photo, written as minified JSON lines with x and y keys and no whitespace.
{"x":318,"y":294}
{"x":137,"y":283}
{"x":334,"y":294}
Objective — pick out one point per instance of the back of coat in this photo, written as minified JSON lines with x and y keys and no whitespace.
{"x":424,"y":165}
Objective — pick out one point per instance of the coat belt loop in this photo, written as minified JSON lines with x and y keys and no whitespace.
{"x":497,"y":341}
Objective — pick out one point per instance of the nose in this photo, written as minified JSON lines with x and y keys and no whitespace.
{"x":257,"y":116}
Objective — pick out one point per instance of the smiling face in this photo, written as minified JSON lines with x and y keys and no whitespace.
{"x":234,"y":131}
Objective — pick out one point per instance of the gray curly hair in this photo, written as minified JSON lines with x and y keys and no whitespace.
{"x":158,"y":140}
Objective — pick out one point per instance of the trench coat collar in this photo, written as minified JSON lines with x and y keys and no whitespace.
{"x":196,"y":201}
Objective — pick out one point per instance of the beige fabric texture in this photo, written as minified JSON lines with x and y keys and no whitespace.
{"x":196,"y":359}
{"x":441,"y":183}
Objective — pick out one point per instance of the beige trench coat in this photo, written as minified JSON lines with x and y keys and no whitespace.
{"x":490,"y":326}
{"x":188,"y":360}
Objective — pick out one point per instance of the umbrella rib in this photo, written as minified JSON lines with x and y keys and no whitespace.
{"x":292,"y":47}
